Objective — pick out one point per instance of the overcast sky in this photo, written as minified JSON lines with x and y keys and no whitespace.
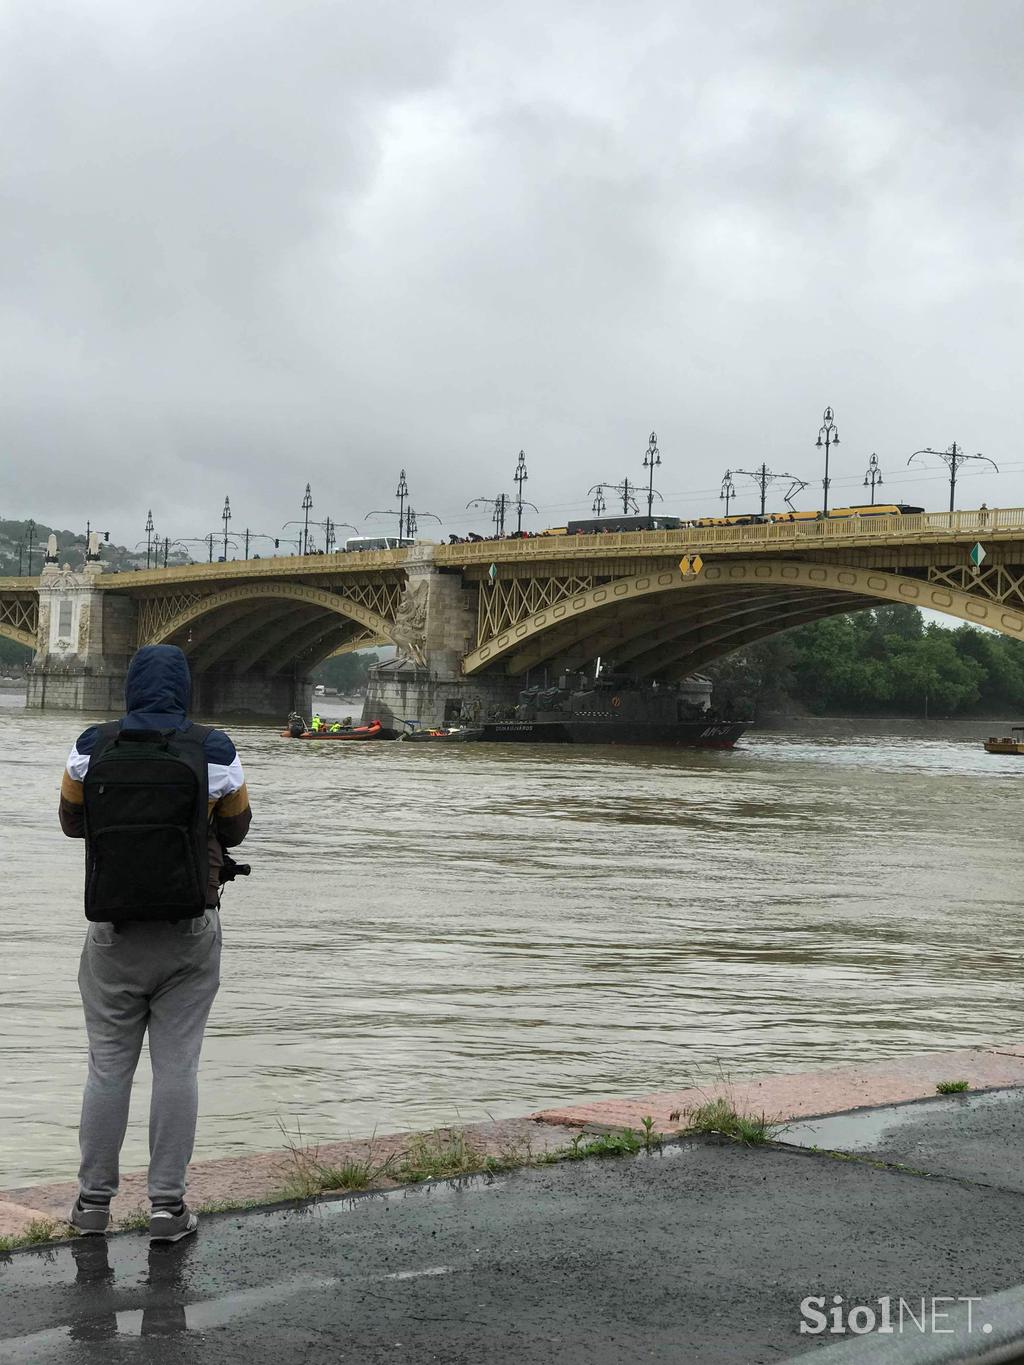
{"x":248,"y":245}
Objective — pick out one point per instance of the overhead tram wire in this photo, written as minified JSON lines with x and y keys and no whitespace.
{"x":704,"y":498}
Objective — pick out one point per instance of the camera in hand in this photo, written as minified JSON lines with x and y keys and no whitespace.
{"x":229,"y":869}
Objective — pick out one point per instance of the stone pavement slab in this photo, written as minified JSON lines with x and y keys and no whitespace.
{"x":800,"y":1094}
{"x":702,"y":1253}
{"x":264,"y":1176}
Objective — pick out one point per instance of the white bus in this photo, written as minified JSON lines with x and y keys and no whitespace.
{"x":375,"y":543}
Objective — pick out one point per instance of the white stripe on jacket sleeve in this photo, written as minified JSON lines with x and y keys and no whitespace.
{"x":225,"y":779}
{"x":78,"y":764}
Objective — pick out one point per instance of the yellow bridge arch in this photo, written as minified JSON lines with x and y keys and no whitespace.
{"x":272,"y":636}
{"x":773,"y":595}
{"x":19,"y":612}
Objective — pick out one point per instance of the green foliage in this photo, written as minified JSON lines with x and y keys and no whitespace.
{"x":346,"y":672}
{"x":883,"y":661}
{"x":719,"y":1116}
{"x":753,"y":678}
{"x":39,"y":1230}
{"x":136,"y":1221}
{"x":444,"y":1152}
{"x":952,"y":1087}
{"x":13,"y":655}
{"x":625,"y":1143}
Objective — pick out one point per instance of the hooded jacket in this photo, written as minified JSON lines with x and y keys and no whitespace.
{"x":158,"y":694}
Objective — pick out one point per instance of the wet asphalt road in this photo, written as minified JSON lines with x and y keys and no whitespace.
{"x":702,"y":1253}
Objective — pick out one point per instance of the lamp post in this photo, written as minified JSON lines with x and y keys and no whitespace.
{"x":225,"y":517}
{"x":307,"y":504}
{"x":402,"y":494}
{"x":953,"y":457}
{"x":728,"y":491}
{"x":652,"y":461}
{"x":520,"y":477}
{"x":828,"y":435}
{"x":598,"y":505}
{"x":150,"y":530}
{"x":31,"y":537}
{"x":873,"y":478}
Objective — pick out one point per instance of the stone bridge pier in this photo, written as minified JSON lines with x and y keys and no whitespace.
{"x":435,"y":627}
{"x":84,"y":640}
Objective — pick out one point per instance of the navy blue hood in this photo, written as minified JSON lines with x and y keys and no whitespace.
{"x":157,"y":690}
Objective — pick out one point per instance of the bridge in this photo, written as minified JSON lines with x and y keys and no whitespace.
{"x":473,"y":621}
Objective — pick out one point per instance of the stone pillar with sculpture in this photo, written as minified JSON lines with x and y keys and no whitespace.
{"x":85,"y":638}
{"x":435,"y":627}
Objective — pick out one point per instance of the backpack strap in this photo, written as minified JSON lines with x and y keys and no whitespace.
{"x":108,"y":733}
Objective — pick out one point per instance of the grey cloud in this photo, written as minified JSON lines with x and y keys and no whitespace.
{"x":247,"y":245}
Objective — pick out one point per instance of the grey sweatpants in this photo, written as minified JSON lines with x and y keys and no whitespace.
{"x":160,"y":977}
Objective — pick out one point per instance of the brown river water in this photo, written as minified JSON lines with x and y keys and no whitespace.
{"x":440,"y":933}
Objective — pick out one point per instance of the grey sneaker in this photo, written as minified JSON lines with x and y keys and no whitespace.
{"x":91,"y":1220}
{"x":165,"y":1226}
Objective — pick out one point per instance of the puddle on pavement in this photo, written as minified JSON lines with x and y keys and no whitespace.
{"x":866,"y":1130}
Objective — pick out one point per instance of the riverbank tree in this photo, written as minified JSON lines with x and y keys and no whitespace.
{"x":883,"y":661}
{"x":346,"y":672}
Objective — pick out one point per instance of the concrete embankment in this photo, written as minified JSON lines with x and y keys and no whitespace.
{"x":781,"y":1098}
{"x":698,"y":1249}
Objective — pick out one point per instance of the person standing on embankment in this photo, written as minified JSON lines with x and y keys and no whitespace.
{"x":157,"y":800}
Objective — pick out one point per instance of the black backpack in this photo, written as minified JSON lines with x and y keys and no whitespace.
{"x":146,"y":795}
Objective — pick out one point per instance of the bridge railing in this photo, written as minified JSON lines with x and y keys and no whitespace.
{"x":868,"y":529}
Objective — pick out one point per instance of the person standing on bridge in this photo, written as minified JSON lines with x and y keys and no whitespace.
{"x":157,"y":800}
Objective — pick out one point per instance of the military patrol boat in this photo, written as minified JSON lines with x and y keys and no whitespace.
{"x":612,"y":709}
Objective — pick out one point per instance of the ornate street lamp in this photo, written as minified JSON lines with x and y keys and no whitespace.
{"x":402,"y":494}
{"x":873,"y":478}
{"x":598,"y":506}
{"x":520,"y":477}
{"x":728,"y":491}
{"x":652,"y":461}
{"x":828,"y":435}
{"x":307,"y":505}
{"x":953,"y":457}
{"x":225,"y":517}
{"x":150,"y":529}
